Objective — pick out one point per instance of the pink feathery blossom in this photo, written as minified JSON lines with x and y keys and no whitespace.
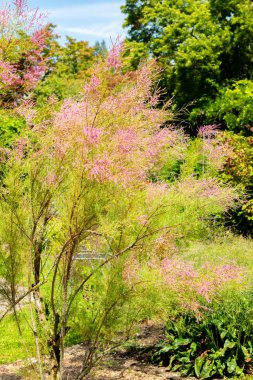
{"x":114,"y":55}
{"x":9,"y":75}
{"x":100,"y":169}
{"x":21,"y":74}
{"x":20,"y":147}
{"x":154,"y":100}
{"x":27,"y":110}
{"x":131,"y":270}
{"x":71,"y":114}
{"x":161,"y":139}
{"x":156,"y":189}
{"x":206,"y":289}
{"x":208,"y":130}
{"x":227,"y":272}
{"x":93,"y":84}
{"x":188,"y":282}
{"x":126,"y":140}
{"x":92,"y":134}
{"x":51,"y":178}
{"x":39,"y":37}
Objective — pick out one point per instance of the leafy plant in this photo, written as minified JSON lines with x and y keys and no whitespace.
{"x":216,"y":343}
{"x":11,"y":125}
{"x":233,"y":107}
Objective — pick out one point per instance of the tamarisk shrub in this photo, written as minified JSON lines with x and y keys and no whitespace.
{"x":82,"y":178}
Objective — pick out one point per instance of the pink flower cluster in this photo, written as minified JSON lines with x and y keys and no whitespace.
{"x":26,"y":109}
{"x":92,"y":134}
{"x":9,"y":75}
{"x":100,"y":169}
{"x":92,"y":85}
{"x":20,"y":147}
{"x":208,"y":131}
{"x":131,"y":270}
{"x":207,"y":190}
{"x":188,"y":282}
{"x":214,"y":152}
{"x":125,"y":141}
{"x":114,"y":56}
{"x":112,"y":131}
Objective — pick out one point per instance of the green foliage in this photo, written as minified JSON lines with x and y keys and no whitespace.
{"x":134,"y":53}
{"x":13,"y":347}
{"x":11,"y":125}
{"x":69,"y":68}
{"x":233,"y":107}
{"x":223,"y":247}
{"x":58,"y":88}
{"x":110,"y":307}
{"x":238,"y":170}
{"x":73,"y":59}
{"x":100,"y":49}
{"x":218,"y":343}
{"x":202,"y":46}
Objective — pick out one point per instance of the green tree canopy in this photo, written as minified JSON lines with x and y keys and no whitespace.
{"x":69,"y":67}
{"x":202,"y":45}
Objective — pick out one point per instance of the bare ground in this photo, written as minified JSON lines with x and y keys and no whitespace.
{"x":120,"y":365}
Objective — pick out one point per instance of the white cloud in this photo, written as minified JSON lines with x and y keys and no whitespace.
{"x":112,"y":29}
{"x":92,"y":21}
{"x":110,"y":10}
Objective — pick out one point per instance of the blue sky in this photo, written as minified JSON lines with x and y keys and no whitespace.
{"x":84,"y":19}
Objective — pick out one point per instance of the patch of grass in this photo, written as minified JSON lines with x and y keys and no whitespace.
{"x":11,"y":346}
{"x":224,"y":249}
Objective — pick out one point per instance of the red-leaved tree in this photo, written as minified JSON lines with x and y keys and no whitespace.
{"x":23,"y":39}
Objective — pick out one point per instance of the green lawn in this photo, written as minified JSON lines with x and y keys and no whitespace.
{"x":11,"y":346}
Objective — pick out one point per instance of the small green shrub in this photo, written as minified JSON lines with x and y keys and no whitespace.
{"x":233,"y":107}
{"x":217,"y":343}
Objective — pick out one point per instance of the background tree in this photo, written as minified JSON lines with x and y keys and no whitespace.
{"x":100,"y":49}
{"x":203,"y":47}
{"x":69,"y":67}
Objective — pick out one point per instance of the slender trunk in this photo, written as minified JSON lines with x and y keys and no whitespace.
{"x":37,"y":249}
{"x":37,"y":302}
{"x":33,"y":321}
{"x":66,"y":277}
{"x":87,"y":367}
{"x":54,"y":346}
{"x":36,"y":338}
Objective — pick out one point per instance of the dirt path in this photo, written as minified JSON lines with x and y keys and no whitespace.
{"x":120,"y":365}
{"x":117,"y":367}
{"x":5,"y":297}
